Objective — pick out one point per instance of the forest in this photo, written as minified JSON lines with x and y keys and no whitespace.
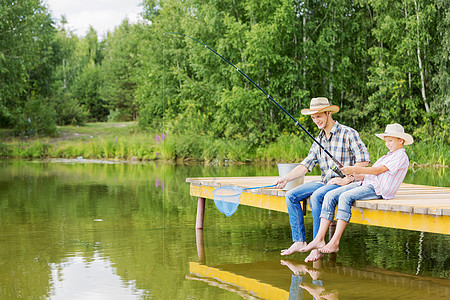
{"x":381,"y":61}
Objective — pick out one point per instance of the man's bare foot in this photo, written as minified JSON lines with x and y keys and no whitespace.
{"x":296,"y":268}
{"x":315,"y":244}
{"x":314,"y":273}
{"x":296,"y":246}
{"x":329,"y":248}
{"x":314,"y":255}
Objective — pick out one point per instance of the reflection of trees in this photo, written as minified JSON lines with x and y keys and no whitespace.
{"x":397,"y":250}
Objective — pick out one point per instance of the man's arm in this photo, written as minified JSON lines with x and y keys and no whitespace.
{"x":297,"y":172}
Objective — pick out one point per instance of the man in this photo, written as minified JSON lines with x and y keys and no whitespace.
{"x":345,"y":145}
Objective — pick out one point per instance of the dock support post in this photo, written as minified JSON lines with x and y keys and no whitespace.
{"x":331,"y":230}
{"x":200,"y":213}
{"x":200,"y":246}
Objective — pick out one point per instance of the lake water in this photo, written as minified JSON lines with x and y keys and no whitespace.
{"x":126,"y":231}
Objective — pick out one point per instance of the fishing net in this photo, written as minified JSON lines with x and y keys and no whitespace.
{"x":227,"y":199}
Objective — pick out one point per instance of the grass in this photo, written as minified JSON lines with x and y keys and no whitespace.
{"x":124,"y":141}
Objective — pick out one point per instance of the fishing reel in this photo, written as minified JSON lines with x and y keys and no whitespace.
{"x":337,"y":171}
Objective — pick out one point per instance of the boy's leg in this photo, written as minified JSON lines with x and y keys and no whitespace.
{"x":294,"y":199}
{"x":344,"y":213}
{"x":319,"y":240}
{"x":330,"y":201}
{"x":333,"y":244}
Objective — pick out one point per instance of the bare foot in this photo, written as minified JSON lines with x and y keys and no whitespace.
{"x":296,"y":246}
{"x":314,"y":290}
{"x":315,"y":244}
{"x":329,"y":248}
{"x":334,"y":295}
{"x":296,"y":268}
{"x":314,"y":255}
{"x":314,"y":273}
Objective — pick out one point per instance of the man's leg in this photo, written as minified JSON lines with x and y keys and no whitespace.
{"x":316,"y":204}
{"x":294,"y":199}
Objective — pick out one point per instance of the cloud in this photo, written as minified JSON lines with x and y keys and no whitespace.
{"x":103,"y":15}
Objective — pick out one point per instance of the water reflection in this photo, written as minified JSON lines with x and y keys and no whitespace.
{"x":322,"y":279}
{"x":108,"y":230}
{"x":94,"y":278}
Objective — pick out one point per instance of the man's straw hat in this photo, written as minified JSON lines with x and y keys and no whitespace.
{"x":319,"y":104}
{"x":396,"y":130}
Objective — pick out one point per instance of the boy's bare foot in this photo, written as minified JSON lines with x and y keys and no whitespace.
{"x":296,"y":246}
{"x":315,"y":244}
{"x":314,"y":255}
{"x":334,"y":295}
{"x":329,"y":248}
{"x":314,"y":290}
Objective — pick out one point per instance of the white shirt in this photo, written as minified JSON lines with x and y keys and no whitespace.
{"x":387,"y":183}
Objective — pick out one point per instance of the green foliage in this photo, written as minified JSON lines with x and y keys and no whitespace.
{"x":37,"y":117}
{"x":26,"y":55}
{"x":86,"y":91}
{"x":380,"y":61}
{"x":361,"y":55}
{"x":118,"y":69}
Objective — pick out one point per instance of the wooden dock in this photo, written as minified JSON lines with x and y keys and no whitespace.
{"x":415,"y":207}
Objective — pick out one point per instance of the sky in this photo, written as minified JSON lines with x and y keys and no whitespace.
{"x":103,"y":15}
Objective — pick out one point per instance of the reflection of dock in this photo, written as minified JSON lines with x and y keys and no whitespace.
{"x":415,"y":207}
{"x":270,"y":280}
{"x":235,"y":282}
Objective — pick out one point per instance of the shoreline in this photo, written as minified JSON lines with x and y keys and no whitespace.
{"x":81,"y":160}
{"x":126,"y":142}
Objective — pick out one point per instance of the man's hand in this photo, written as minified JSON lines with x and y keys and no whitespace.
{"x":340,"y":181}
{"x":281,"y":182}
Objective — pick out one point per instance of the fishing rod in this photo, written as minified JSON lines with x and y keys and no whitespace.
{"x":335,"y":168}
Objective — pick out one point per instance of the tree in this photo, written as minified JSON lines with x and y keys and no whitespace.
{"x":118,"y":70}
{"x":26,"y":56}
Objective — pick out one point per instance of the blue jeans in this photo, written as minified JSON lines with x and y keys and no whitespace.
{"x":343,"y":198}
{"x":294,"y":199}
{"x":296,"y":292}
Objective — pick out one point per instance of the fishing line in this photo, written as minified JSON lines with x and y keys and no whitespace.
{"x":335,"y":168}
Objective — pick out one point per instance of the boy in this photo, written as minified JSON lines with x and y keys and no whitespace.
{"x":382,"y":180}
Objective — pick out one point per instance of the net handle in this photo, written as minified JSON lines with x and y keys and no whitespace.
{"x":260,"y":187}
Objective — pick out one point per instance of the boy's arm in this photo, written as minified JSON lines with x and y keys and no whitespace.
{"x":364,"y":170}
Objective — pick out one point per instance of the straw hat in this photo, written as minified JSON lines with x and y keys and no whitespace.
{"x":319,"y":104}
{"x":396,"y":130}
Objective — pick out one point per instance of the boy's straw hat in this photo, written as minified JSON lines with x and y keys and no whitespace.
{"x":396,"y":130}
{"x":319,"y":104}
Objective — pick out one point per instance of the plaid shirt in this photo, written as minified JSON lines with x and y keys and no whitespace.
{"x":344,"y":144}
